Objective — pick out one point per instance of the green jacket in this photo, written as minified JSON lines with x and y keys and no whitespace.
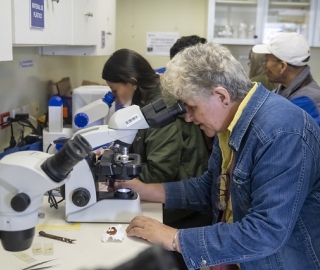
{"x":172,"y":153}
{"x":264,"y":80}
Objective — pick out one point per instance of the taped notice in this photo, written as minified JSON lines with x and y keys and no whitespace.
{"x":26,"y":63}
{"x":159,"y":43}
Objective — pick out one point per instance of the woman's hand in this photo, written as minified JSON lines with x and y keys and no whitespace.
{"x":153,"y":231}
{"x":99,"y":152}
{"x":135,"y":185}
{"x":147,"y":192}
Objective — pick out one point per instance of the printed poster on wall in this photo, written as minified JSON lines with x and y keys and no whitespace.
{"x":37,"y":14}
{"x":159,"y":43}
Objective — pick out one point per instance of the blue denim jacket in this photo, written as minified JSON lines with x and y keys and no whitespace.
{"x":275,"y":191}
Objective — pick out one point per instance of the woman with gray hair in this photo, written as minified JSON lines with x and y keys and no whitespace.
{"x":266,"y":157}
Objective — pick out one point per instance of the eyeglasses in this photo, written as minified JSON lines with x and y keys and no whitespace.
{"x":223,"y":183}
{"x":264,"y":60}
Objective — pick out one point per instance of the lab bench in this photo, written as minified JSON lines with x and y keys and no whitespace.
{"x":88,"y":252}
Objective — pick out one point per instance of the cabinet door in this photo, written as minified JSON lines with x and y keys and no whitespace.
{"x":23,"y":34}
{"x":84,"y":21}
{"x":93,"y":35}
{"x":235,"y":22}
{"x":290,"y":16}
{"x":106,"y":27}
{"x":5,"y":30}
{"x":59,"y":22}
{"x":316,"y":26}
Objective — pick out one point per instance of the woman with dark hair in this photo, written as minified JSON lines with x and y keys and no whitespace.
{"x":176,"y":151}
{"x":127,"y":71}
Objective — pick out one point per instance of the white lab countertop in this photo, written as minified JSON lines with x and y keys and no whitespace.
{"x":88,"y":252}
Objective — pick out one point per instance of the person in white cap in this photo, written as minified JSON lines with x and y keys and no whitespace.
{"x":286,"y":62}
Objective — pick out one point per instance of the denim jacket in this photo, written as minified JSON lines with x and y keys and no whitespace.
{"x":275,"y":191}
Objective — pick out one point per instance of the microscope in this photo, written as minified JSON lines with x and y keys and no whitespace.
{"x":25,"y":176}
{"x":84,"y":201}
{"x":90,"y":106}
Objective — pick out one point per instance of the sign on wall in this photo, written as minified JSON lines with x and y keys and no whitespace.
{"x":37,"y":14}
{"x":159,"y":43}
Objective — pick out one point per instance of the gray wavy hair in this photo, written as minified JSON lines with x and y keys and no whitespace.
{"x":197,"y":70}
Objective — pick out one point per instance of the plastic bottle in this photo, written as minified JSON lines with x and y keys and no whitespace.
{"x":55,"y":114}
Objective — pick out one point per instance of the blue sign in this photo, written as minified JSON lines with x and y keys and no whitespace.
{"x":37,"y":13}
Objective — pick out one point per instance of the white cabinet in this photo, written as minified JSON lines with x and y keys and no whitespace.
{"x":57,"y":23}
{"x":257,"y":21}
{"x":84,"y":21}
{"x":6,"y":31}
{"x":106,"y":28}
{"x":22,"y":33}
{"x":71,"y":27}
{"x":93,"y":30}
{"x":290,"y":16}
{"x":235,"y":22}
{"x":316,"y":30}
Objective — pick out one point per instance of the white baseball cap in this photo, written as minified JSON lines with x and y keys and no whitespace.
{"x":288,"y":47}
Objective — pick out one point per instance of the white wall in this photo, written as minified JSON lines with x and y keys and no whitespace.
{"x":21,"y":86}
{"x":136,"y":17}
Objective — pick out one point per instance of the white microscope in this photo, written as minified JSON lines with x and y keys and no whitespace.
{"x":26,"y":176}
{"x":84,"y":201}
{"x":90,"y":106}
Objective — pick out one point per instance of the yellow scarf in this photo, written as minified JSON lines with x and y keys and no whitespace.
{"x":227,"y":154}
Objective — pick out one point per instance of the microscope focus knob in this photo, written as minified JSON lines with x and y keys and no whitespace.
{"x":81,"y":197}
{"x":20,"y":202}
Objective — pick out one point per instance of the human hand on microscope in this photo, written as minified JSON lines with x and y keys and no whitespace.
{"x":99,"y":152}
{"x":147,"y":192}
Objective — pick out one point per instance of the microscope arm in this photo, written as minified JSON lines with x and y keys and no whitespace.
{"x":93,"y":111}
{"x":123,"y":126}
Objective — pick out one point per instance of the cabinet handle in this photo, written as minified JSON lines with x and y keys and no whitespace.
{"x":109,"y":33}
{"x":55,"y":1}
{"x":89,"y":14}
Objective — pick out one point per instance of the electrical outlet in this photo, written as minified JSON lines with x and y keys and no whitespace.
{"x":26,"y":109}
{"x":15,"y":111}
{"x":34,"y":108}
{"x":3,"y":119}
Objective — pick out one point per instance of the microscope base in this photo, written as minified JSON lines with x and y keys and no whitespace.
{"x":108,"y":210}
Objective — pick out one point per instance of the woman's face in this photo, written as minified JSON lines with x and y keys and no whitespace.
{"x":212,"y":115}
{"x":122,"y":91}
